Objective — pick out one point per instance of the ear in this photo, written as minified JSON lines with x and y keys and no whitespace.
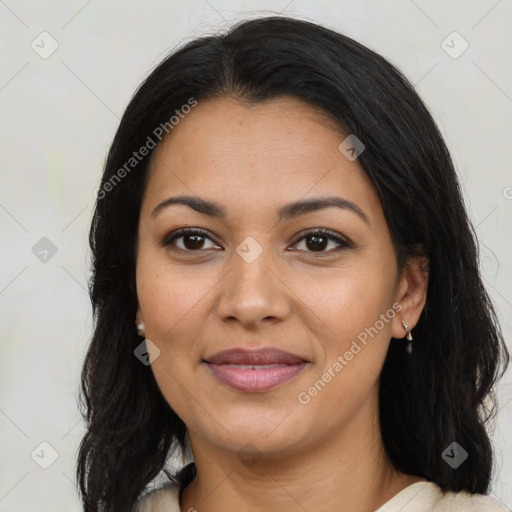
{"x":411,"y":294}
{"x":138,"y":316}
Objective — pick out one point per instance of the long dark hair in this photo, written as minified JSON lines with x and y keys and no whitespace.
{"x":429,"y":399}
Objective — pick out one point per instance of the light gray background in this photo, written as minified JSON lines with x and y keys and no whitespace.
{"x":59,"y":115}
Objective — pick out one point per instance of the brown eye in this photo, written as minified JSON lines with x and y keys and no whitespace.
{"x":319,"y":240}
{"x":196,"y":240}
{"x":188,"y":240}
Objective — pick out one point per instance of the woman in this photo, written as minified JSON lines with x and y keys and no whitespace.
{"x":285,"y":278}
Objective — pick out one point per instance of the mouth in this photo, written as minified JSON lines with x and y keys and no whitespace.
{"x":255,"y":370}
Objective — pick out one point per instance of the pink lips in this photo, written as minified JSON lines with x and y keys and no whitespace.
{"x":256,"y":370}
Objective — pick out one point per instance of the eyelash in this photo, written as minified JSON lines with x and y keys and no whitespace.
{"x":330,"y":235}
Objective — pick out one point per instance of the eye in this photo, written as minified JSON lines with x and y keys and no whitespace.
{"x":195,"y":240}
{"x":318,"y":240}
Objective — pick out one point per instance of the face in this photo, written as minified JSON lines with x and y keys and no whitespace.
{"x":316,"y":288}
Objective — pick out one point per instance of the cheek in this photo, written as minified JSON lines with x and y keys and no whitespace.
{"x":352,"y":345}
{"x":171,"y":298}
{"x":352,"y":315}
{"x":173,"y":303}
{"x":347,"y":301}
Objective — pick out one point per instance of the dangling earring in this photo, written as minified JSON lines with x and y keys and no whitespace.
{"x":140,"y":329}
{"x":409,"y":337}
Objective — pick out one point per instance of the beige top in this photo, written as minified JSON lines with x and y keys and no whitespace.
{"x":418,"y":497}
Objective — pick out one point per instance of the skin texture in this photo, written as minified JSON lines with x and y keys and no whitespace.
{"x":266,"y":450}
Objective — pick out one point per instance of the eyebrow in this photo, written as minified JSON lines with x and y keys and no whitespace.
{"x":288,"y":211}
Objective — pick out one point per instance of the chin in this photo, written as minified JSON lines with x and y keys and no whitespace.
{"x":266,"y":432}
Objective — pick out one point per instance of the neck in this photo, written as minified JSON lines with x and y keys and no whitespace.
{"x":349,"y":471}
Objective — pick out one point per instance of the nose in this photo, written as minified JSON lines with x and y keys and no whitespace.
{"x":253,"y":293}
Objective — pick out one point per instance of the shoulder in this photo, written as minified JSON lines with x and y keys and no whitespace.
{"x":165,"y":499}
{"x":466,"y":502}
{"x":428,"y":497}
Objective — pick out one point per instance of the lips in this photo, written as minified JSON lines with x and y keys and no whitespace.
{"x":256,"y":370}
{"x":264,"y":356}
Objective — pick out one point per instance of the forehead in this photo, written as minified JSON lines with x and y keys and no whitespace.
{"x":257,"y":155}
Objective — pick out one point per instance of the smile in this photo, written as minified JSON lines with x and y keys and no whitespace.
{"x":255,"y":378}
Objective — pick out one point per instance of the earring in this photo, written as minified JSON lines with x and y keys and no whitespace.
{"x":409,"y":337}
{"x":140,"y":329}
